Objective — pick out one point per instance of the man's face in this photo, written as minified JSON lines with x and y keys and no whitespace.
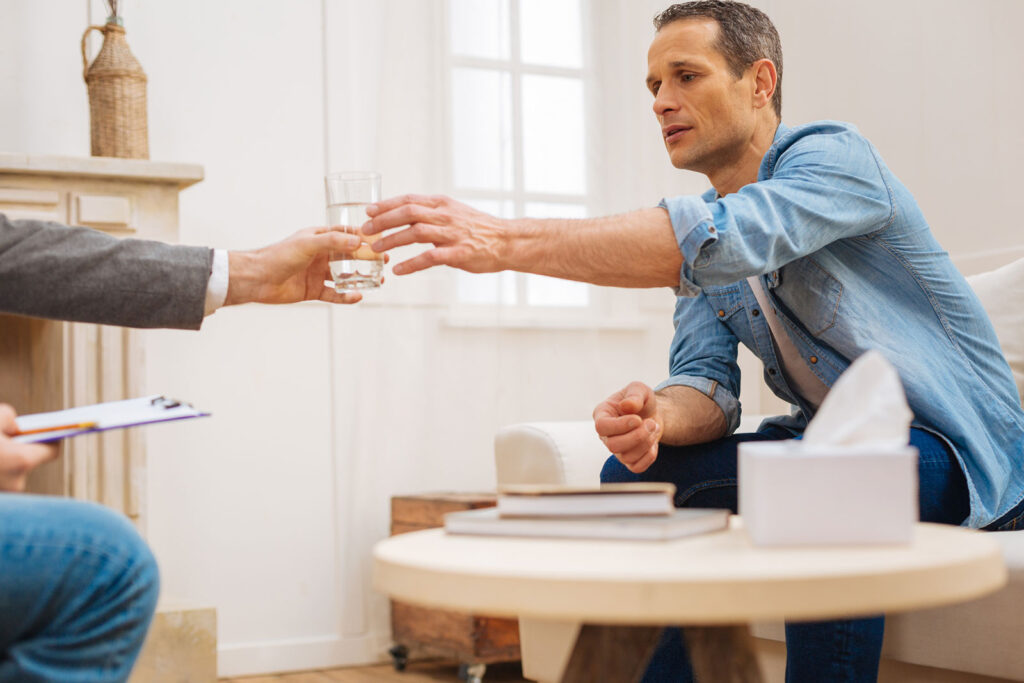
{"x":706,"y":114}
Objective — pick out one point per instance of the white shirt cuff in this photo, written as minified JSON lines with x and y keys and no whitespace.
{"x":217,"y":288}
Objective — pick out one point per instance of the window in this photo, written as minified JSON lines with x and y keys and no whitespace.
{"x":517,"y":107}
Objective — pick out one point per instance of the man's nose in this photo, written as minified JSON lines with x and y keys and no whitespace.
{"x":664,"y":102}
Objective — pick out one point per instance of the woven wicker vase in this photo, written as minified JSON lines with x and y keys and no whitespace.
{"x":117,"y":97}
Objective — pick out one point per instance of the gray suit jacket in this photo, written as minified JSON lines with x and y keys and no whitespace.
{"x":49,"y":270}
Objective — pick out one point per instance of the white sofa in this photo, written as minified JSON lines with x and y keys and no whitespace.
{"x":969,"y":643}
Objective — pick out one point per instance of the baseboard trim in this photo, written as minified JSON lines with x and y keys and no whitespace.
{"x":301,"y":654}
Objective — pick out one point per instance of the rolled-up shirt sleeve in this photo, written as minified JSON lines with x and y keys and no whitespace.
{"x":813,"y":190}
{"x":703,"y":356}
{"x":695,"y":233}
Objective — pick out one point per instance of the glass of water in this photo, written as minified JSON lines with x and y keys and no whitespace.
{"x":348,"y":193}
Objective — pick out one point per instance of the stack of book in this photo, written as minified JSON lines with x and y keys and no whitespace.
{"x":641,"y":511}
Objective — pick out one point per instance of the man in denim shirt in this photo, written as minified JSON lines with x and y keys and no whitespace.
{"x":810,"y":252}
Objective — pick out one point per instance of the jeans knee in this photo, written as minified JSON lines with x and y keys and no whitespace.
{"x":82,"y":587}
{"x":133,"y":574}
{"x":614,"y":472}
{"x":146,"y":579}
{"x":142,"y":578}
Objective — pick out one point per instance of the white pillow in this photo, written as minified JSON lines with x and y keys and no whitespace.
{"x":1002,"y":294}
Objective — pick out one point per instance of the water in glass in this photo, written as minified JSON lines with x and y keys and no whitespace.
{"x":361,"y":269}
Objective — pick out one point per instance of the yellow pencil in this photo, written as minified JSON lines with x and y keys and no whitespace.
{"x":56,"y":428}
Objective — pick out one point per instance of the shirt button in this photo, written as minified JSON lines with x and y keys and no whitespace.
{"x":711,"y":229}
{"x":814,"y":359}
{"x":755,"y":312}
{"x":721,"y":313}
{"x":771,"y":371}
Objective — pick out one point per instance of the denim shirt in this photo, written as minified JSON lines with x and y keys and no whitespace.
{"x":849,"y":264}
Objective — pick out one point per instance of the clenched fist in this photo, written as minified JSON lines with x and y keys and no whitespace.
{"x":628,"y":424}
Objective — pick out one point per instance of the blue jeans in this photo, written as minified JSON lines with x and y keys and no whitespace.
{"x":78,"y":588}
{"x":839,"y":651}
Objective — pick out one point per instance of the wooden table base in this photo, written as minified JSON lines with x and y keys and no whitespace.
{"x":610,"y":654}
{"x":722,"y":654}
{"x":620,"y":654}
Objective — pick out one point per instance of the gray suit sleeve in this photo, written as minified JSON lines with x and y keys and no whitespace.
{"x":49,"y":270}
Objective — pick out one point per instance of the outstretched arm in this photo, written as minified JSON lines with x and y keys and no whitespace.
{"x":636,"y":249}
{"x":49,"y":270}
{"x":291,"y":270}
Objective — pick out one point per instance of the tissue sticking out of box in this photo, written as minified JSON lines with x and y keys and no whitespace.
{"x":866,"y":406}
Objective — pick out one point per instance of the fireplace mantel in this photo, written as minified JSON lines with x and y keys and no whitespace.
{"x":49,"y":365}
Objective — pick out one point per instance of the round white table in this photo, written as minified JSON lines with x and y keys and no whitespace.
{"x":555,"y":585}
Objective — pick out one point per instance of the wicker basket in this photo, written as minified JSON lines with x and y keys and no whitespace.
{"x":117,"y":97}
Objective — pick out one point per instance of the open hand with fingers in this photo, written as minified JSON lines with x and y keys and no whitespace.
{"x":18,"y":459}
{"x":629,"y":425}
{"x":462,"y":236}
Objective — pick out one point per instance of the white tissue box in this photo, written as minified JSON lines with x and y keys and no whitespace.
{"x":791,"y":493}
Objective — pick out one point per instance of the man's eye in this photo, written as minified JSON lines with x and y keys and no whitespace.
{"x":688,"y":77}
{"x":655,"y":88}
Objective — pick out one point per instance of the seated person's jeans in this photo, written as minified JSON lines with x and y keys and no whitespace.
{"x":78,"y":588}
{"x":843,"y":650}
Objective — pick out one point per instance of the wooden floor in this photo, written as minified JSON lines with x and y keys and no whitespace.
{"x":416,"y":672}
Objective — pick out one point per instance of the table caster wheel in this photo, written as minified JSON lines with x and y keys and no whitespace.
{"x":472,"y":673}
{"x":399,"y":657}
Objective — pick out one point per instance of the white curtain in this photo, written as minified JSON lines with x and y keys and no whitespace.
{"x":419,"y":391}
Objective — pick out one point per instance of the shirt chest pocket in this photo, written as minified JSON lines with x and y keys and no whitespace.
{"x":811,"y":294}
{"x":724,"y":301}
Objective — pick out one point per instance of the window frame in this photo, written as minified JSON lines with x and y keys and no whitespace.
{"x":522,"y":313}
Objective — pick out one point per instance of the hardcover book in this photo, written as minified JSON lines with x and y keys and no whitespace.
{"x":682,"y":522}
{"x":630,"y":499}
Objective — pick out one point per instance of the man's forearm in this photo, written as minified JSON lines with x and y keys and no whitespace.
{"x":689,"y":417}
{"x":636,"y":249}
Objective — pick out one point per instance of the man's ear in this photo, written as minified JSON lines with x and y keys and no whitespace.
{"x":765,"y":80}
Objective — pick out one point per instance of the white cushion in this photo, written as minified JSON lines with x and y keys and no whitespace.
{"x":1002,"y":294}
{"x":549,"y":453}
{"x":568,"y":452}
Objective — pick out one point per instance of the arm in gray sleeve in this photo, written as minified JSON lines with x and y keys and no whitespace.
{"x":49,"y":270}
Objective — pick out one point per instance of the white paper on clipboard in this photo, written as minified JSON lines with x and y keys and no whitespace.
{"x":112,"y":415}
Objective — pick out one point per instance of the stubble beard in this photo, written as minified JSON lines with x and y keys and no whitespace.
{"x":707,"y":159}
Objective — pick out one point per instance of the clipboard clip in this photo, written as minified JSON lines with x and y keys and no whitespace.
{"x":164,"y":402}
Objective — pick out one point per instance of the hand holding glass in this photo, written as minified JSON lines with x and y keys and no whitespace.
{"x":348,"y":194}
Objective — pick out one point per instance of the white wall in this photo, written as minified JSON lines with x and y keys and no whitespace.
{"x":933,"y":84}
{"x":268,"y":509}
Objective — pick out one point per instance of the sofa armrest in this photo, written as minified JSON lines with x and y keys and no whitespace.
{"x":567,"y":452}
{"x":549,"y":453}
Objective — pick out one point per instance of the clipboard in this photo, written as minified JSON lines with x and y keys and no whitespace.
{"x":101,"y":417}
